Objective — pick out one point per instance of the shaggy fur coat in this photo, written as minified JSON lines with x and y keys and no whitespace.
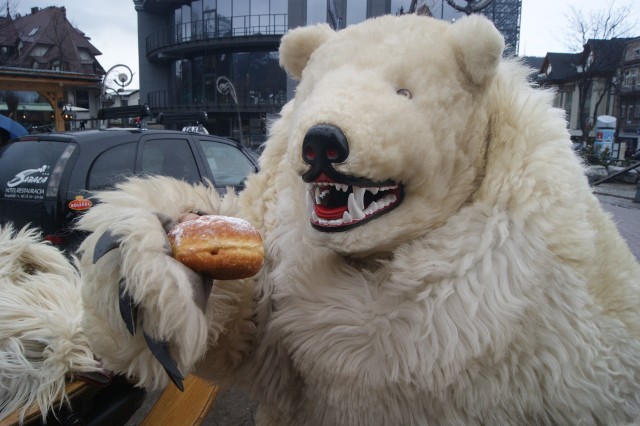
{"x":41,"y":339}
{"x":486,"y":286}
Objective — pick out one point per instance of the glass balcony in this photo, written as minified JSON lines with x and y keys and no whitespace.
{"x":214,"y":29}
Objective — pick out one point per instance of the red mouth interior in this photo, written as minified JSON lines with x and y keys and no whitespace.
{"x":330,"y":213}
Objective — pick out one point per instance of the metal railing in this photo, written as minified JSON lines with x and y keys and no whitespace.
{"x":216,"y":28}
{"x":247,"y":100}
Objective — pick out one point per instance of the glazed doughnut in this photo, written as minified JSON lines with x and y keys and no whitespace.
{"x":223,"y":247}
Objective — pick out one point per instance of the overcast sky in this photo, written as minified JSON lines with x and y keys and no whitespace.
{"x":112,"y":25}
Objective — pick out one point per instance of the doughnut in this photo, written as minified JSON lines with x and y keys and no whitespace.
{"x":222,"y":247}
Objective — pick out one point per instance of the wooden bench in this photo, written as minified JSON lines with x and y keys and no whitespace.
{"x":183,"y":408}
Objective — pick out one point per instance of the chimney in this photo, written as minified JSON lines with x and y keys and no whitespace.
{"x":34,"y":10}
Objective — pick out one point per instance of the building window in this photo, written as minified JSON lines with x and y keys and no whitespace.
{"x":637,"y":110}
{"x":196,"y":19}
{"x":177,"y":24}
{"x":224,"y":18}
{"x":186,"y":23}
{"x":568,"y":103}
{"x":256,"y":76}
{"x":82,"y":99}
{"x":39,"y":51}
{"x":84,"y":54}
{"x":623,"y":108}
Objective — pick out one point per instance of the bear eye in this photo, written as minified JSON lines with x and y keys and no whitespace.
{"x":405,"y":93}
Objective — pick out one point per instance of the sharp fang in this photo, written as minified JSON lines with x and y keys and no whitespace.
{"x":320,"y":193}
{"x":358,"y":192}
{"x":342,"y":187}
{"x":346,"y":217}
{"x":374,"y":191}
{"x":310,"y":205}
{"x":372,"y":208}
{"x":354,"y":210}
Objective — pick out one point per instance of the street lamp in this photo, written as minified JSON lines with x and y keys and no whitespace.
{"x":225,"y":87}
{"x":471,"y":7}
{"x":119,"y":74}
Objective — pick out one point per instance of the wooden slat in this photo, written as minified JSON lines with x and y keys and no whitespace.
{"x":183,"y":408}
{"x":33,"y":412}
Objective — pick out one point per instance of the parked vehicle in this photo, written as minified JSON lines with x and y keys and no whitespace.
{"x":46,"y":179}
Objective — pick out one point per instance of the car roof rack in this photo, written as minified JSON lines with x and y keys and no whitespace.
{"x":193,"y":117}
{"x":124,"y":112}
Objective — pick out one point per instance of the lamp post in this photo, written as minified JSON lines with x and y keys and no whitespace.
{"x":471,"y":7}
{"x":225,"y":87}
{"x":119,"y":74}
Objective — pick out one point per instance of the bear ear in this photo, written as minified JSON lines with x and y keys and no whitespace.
{"x":298,"y":44}
{"x":478,"y":45}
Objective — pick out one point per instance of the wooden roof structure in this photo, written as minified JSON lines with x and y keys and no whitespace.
{"x":42,"y":52}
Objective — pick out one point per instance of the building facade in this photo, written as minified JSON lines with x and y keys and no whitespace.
{"x":54,"y":59}
{"x":628,"y":85}
{"x":221,"y":56}
{"x":588,"y":85}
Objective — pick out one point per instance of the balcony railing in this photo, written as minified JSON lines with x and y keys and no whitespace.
{"x":248,"y":100}
{"x":216,"y":28}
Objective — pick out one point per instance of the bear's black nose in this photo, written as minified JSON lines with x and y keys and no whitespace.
{"x":323,"y":144}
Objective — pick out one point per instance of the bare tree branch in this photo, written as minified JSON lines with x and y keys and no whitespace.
{"x":612,"y":21}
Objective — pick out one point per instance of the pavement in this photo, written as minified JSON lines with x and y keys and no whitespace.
{"x":232,"y":407}
{"x":624,"y":192}
{"x":618,"y":199}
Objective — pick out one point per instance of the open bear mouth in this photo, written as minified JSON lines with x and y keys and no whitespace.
{"x":335,"y":206}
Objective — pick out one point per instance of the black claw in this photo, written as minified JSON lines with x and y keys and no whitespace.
{"x":128,"y":309}
{"x":160,"y":350}
{"x":105,"y":244}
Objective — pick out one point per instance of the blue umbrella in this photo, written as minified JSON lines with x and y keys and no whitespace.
{"x":14,"y":128}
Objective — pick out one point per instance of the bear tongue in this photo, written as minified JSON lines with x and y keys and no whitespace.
{"x":330,"y":213}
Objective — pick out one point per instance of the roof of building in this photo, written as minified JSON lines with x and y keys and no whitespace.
{"x":8,"y":32}
{"x":45,"y":37}
{"x":607,"y":54}
{"x":561,"y":66}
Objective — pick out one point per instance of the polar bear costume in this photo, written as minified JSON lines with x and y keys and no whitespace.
{"x":434,"y":254}
{"x":42,"y":343}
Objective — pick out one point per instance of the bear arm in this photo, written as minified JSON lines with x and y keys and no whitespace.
{"x":162,"y":290}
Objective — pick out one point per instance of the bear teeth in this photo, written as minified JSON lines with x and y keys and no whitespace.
{"x":355,"y":208}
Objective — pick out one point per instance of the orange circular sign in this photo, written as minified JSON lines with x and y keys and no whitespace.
{"x":80,"y":203}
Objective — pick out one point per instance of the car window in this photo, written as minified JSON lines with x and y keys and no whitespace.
{"x":112,"y":166}
{"x":169,"y":157}
{"x":26,"y":167}
{"x":229,"y":166}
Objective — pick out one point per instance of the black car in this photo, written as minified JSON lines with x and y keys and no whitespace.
{"x":46,"y":179}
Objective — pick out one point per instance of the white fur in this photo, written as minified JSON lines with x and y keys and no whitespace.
{"x":498,"y":292}
{"x":41,"y":338}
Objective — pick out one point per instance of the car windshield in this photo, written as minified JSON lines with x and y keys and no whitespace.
{"x":26,"y":168}
{"x":229,"y":166}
